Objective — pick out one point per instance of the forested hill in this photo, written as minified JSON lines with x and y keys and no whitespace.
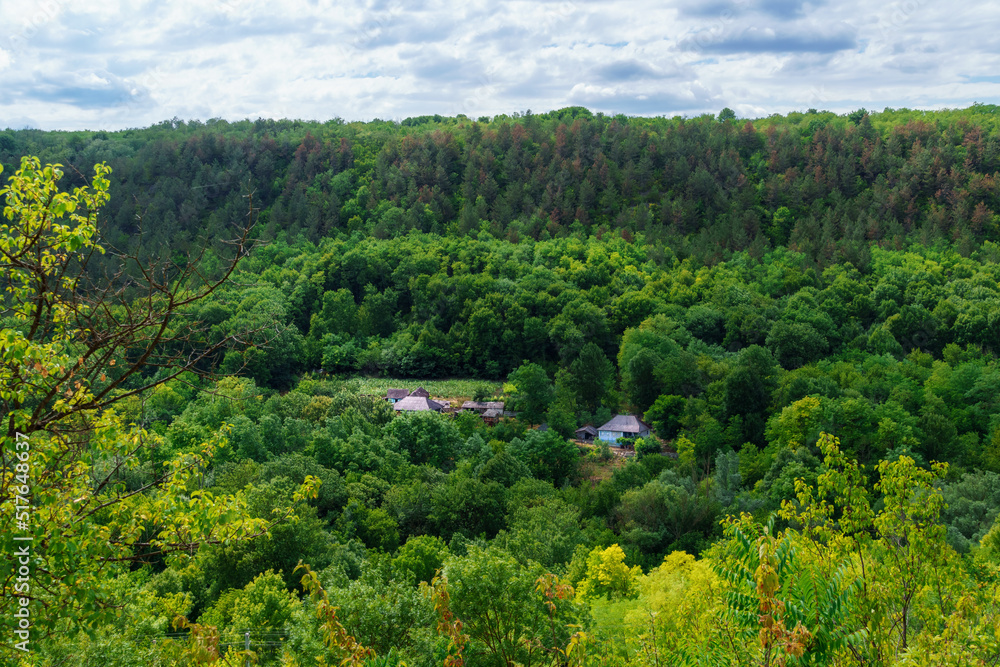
{"x":805,"y":310}
{"x":823,"y":184}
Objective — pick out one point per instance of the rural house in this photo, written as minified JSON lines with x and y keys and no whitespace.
{"x":490,"y":411}
{"x":480,"y":407}
{"x":417,"y":404}
{"x":393,"y":395}
{"x":492,"y":416}
{"x":622,"y":426}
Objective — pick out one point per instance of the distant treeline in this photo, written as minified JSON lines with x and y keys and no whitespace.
{"x":823,"y":184}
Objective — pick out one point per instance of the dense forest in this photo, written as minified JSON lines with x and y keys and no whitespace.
{"x":804,"y":308}
{"x":823,"y":184}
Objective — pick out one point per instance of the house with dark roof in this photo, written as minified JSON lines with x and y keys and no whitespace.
{"x":490,"y":411}
{"x":393,"y":395}
{"x":417,"y":404}
{"x":586,"y":433}
{"x":622,"y":426}
{"x":492,"y":416}
{"x":480,"y":407}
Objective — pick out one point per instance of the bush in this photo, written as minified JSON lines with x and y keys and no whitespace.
{"x":646,"y":446}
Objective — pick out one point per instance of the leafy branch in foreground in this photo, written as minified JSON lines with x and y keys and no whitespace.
{"x":70,"y":351}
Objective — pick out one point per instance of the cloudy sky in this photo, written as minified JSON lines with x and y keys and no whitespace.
{"x":112,"y":64}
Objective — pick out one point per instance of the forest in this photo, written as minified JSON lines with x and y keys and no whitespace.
{"x":201,"y":321}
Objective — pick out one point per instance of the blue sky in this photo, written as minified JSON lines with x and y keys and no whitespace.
{"x":116,"y":64}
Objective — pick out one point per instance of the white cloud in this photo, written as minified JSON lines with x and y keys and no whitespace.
{"x":116,"y":63}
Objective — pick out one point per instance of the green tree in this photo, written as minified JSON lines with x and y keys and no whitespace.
{"x":989,"y":547}
{"x":608,"y":576}
{"x":727,"y":114}
{"x":972,"y":505}
{"x":294,"y":533}
{"x":639,"y":378}
{"x":338,"y":315}
{"x":593,"y":377}
{"x":71,"y":354}
{"x":377,"y":313}
{"x":782,"y":607}
{"x":881,"y":341}
{"x":276,"y":352}
{"x":420,"y":558}
{"x":562,"y":414}
{"x":900,"y":540}
{"x":466,"y":505}
{"x":546,"y":531}
{"x":427,"y":437}
{"x":652,"y":362}
{"x":795,"y":343}
{"x":665,"y":415}
{"x":514,"y":614}
{"x":781,"y":225}
{"x":748,"y":388}
{"x":530,"y":391}
{"x":386,"y":614}
{"x":549,"y":455}
{"x":263,"y":604}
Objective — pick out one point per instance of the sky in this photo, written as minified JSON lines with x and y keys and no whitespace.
{"x":111,"y":65}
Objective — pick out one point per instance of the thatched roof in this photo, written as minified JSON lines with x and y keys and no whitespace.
{"x":625,"y":424}
{"x":396,"y":393}
{"x":588,"y":429}
{"x":493,"y":413}
{"x":420,"y":392}
{"x":417,"y":404}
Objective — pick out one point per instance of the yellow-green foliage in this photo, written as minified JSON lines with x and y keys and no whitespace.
{"x":988,"y":554}
{"x":673,"y":617}
{"x":52,"y":390}
{"x":263,"y":604}
{"x":681,"y":591}
{"x":608,"y":576}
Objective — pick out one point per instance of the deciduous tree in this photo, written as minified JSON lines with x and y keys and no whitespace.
{"x":71,"y":349}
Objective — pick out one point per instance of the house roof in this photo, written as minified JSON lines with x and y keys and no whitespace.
{"x":482,"y":405}
{"x":396,"y":393}
{"x":493,"y":413}
{"x":624,"y":424}
{"x":420,"y":392}
{"x":417,"y":404}
{"x":586,"y":429}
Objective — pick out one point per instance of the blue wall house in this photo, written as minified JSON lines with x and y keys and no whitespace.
{"x":622,"y":426}
{"x":393,"y":395}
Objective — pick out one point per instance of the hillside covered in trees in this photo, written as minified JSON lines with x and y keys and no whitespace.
{"x":805,"y":309}
{"x":826,"y":185}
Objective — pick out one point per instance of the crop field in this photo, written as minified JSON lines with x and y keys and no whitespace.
{"x":449,"y":388}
